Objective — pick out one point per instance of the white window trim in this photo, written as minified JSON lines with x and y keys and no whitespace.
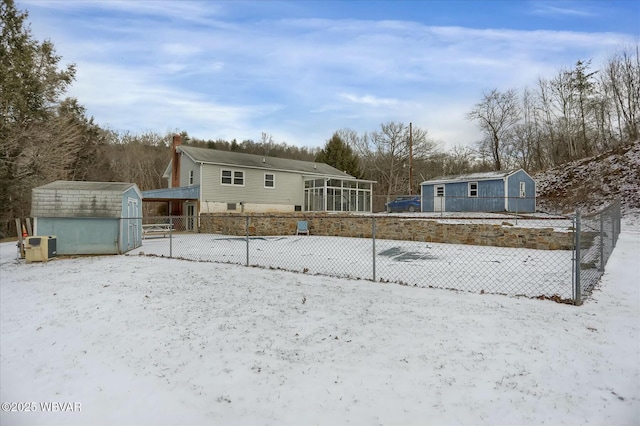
{"x":191,"y":177}
{"x":273,"y":179}
{"x":233,"y":177}
{"x":469,"y":189}
{"x":523,"y":190}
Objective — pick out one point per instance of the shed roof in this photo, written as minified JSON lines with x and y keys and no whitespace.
{"x":63,"y":185}
{"x":73,"y":199}
{"x":240,"y":159}
{"x":467,"y":177}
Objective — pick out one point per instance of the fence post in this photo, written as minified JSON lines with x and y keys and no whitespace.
{"x":373,"y":238}
{"x":170,"y":236}
{"x":615,"y":223}
{"x":246,"y":226}
{"x":578,"y":285}
{"x":601,"y":242}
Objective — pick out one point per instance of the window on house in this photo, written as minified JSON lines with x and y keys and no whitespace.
{"x":191,"y":177}
{"x":269,"y":180}
{"x":473,"y":189}
{"x":523,"y":192}
{"x":232,"y":177}
{"x":238,"y":178}
{"x":226,"y":177}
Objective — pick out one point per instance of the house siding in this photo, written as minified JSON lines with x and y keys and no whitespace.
{"x":427,"y":198}
{"x":489,"y":197}
{"x":81,"y":235}
{"x":187,"y":165}
{"x":287,"y":191}
{"x":515,"y":203}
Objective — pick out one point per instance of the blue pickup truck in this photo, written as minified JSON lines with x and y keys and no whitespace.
{"x":404,"y":203}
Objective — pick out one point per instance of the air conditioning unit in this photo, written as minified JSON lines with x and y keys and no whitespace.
{"x":40,"y":249}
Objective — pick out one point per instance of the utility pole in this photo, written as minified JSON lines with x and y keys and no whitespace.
{"x":410,"y":159}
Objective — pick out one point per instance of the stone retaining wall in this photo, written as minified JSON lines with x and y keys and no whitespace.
{"x":389,"y":228}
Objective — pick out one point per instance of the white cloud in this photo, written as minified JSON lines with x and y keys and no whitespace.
{"x":552,"y":9}
{"x":189,"y":65}
{"x":369,"y":100}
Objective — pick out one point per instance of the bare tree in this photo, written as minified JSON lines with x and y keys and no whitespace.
{"x":622,"y":75}
{"x":496,"y":115}
{"x":583,"y":88}
{"x":266,"y":140}
{"x":386,"y":158}
{"x":139,"y":158}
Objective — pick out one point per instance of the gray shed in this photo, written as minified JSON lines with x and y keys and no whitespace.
{"x":89,"y":217}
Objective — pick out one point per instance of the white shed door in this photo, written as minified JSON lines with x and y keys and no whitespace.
{"x":438,"y":198}
{"x":132,"y":223}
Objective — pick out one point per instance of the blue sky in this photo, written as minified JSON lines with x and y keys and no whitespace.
{"x":301,"y":70}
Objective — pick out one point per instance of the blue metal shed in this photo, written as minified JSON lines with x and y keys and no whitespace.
{"x":89,"y":217}
{"x":512,"y":191}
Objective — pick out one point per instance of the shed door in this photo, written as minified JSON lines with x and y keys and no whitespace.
{"x":438,"y":198}
{"x":132,"y":223}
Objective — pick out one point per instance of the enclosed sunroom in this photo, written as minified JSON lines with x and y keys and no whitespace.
{"x":337,"y":195}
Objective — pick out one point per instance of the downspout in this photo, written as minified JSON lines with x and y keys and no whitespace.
{"x":506,"y":193}
{"x":325,"y":193}
{"x":199,"y":203}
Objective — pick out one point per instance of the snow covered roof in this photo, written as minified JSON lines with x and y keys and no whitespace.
{"x":470,"y":177}
{"x":66,"y":185}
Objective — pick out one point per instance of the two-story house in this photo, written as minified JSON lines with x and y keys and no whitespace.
{"x":208,"y":180}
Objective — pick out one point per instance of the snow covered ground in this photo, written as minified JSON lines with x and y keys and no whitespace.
{"x":501,"y":270}
{"x":147,"y":340}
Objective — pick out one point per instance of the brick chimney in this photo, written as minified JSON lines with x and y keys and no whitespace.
{"x":175,"y":161}
{"x":175,"y":206}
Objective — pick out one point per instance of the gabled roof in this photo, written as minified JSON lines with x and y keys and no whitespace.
{"x":237,"y":159}
{"x":467,"y":177}
{"x":67,"y":185}
{"x":80,"y":199}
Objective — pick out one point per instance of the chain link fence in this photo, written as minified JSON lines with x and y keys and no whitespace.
{"x":539,"y":255}
{"x":595,"y":238}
